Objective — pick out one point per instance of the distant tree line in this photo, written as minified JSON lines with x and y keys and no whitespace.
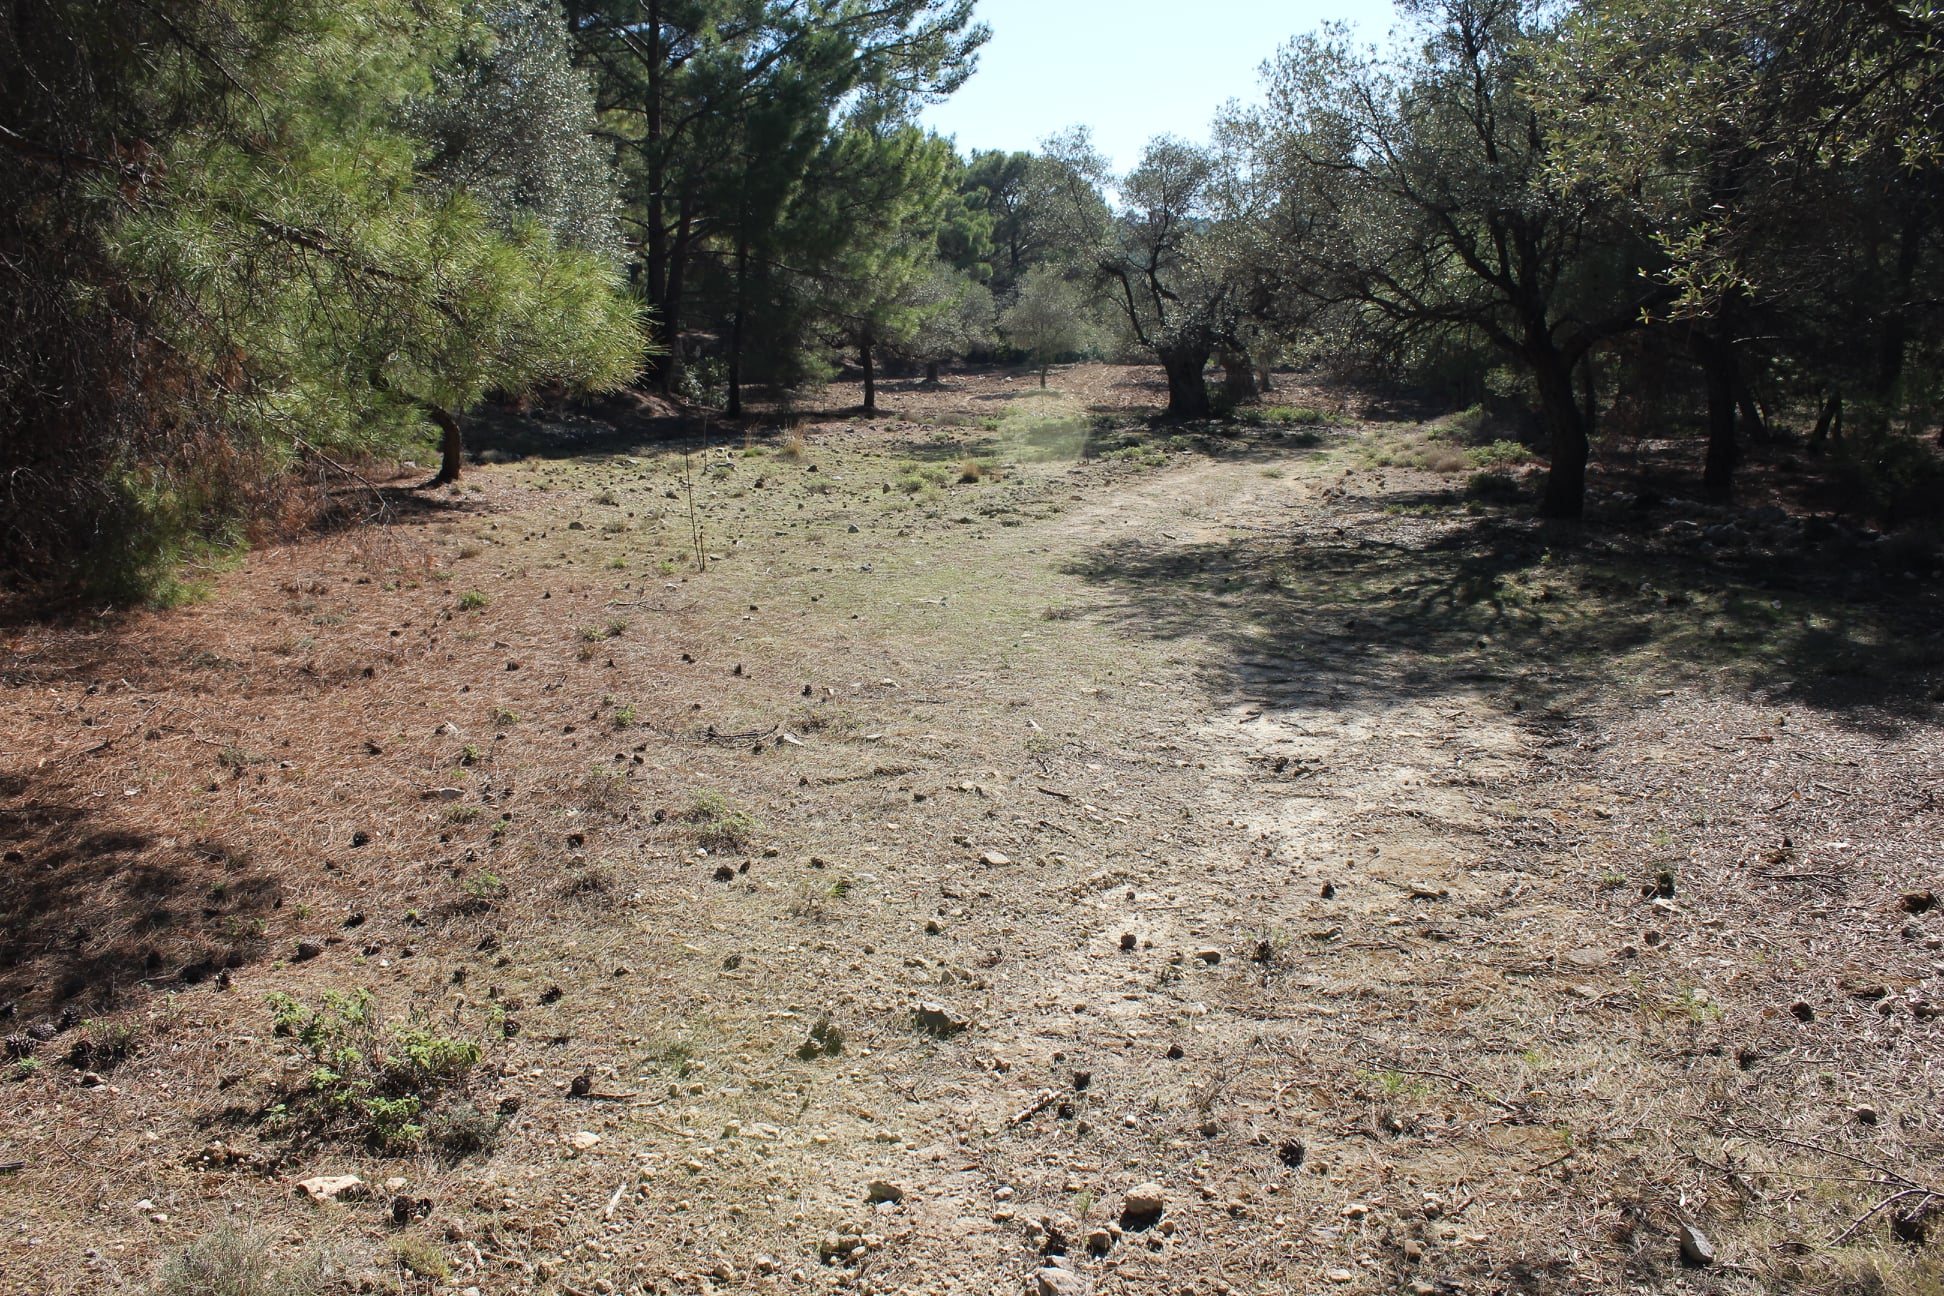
{"x":248,"y":235}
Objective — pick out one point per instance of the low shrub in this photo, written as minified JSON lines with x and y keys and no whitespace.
{"x":371,"y":1081}
{"x":719,"y":824}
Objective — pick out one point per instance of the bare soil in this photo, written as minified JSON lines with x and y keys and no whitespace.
{"x":1426,"y":899}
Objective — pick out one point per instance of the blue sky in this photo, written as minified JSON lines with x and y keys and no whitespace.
{"x":1130,"y":69}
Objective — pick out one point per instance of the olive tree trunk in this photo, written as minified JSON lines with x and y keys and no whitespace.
{"x":1187,"y":382}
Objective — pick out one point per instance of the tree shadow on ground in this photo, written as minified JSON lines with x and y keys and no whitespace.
{"x":360,"y":507}
{"x":625,"y":424}
{"x":89,"y":912}
{"x":1424,"y":599}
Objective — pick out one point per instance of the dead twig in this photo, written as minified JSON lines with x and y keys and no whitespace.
{"x":1460,"y":1081}
{"x":1866,"y":1216}
{"x":1890,"y":1175}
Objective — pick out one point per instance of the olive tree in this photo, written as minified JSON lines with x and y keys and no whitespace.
{"x":1413,"y":191}
{"x":1047,"y":319}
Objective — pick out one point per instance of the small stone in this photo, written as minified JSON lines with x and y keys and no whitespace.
{"x":584,"y":1141}
{"x":1413,"y":1250}
{"x":1059,"y":1282}
{"x":307,"y":950}
{"x":1355,"y":1210}
{"x":1143,"y":1207}
{"x":994,"y":859}
{"x":937,"y":1019}
{"x":1917,"y":902}
{"x":1339,"y":1275}
{"x":331,"y":1187}
{"x":1210,"y":956}
{"x":883,"y":1190}
{"x":1128,"y":941}
{"x":1801,"y":1011}
{"x":1082,"y":1079}
{"x":1695,"y":1247}
{"x":1867,"y":1115}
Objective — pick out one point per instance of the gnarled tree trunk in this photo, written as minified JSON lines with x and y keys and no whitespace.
{"x":1187,"y":382}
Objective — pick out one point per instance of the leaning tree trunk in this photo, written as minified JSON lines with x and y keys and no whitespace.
{"x":1187,"y":382}
{"x":1724,"y":449}
{"x":1754,"y":418}
{"x":451,"y":447}
{"x":1829,"y":423}
{"x":1559,"y":404}
{"x":931,"y":373}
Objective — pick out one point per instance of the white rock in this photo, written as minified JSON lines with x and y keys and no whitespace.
{"x":330,"y":1187}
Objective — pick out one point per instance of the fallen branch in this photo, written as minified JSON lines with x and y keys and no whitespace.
{"x":358,"y":477}
{"x":1038,"y":1105}
{"x":1892,"y":1176}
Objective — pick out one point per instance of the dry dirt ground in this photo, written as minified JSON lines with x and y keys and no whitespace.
{"x":1416,"y":897}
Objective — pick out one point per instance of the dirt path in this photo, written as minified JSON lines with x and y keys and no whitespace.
{"x":1212,"y":815}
